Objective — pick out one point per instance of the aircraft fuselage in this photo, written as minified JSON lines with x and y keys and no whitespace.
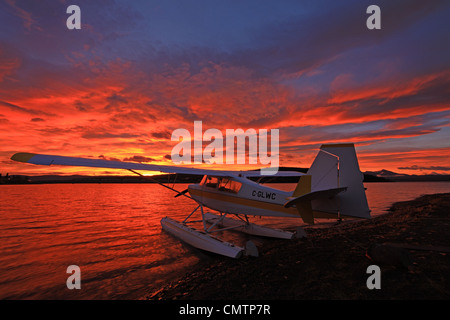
{"x":239,"y":195}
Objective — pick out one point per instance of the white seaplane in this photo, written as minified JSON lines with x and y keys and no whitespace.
{"x":332,"y":188}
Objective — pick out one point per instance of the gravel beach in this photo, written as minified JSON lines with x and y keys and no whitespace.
{"x":410,"y":244}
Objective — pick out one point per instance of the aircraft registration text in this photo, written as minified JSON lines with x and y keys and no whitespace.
{"x":264,"y":194}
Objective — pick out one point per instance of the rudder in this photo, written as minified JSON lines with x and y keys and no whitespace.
{"x":336,"y":165}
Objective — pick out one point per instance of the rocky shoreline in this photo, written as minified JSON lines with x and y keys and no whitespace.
{"x":332,"y":263}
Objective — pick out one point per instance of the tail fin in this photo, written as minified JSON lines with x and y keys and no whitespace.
{"x":303,"y":186}
{"x":304,"y":207}
{"x":336,"y":166}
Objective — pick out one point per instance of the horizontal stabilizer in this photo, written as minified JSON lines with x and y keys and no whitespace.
{"x":320,"y":194}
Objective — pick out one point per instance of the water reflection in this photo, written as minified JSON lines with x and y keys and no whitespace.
{"x":113,"y":232}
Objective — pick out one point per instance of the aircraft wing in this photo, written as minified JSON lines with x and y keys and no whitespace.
{"x":43,"y":159}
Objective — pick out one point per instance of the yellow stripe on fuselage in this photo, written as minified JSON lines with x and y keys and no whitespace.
{"x":260,"y":204}
{"x":244,"y":201}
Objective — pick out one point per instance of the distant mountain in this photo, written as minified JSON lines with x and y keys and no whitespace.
{"x":394,"y":176}
{"x":369,"y":176}
{"x":385,"y":173}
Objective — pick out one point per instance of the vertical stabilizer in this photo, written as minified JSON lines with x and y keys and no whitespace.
{"x":337,"y":166}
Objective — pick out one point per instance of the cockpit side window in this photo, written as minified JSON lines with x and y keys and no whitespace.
{"x":229,"y":185}
{"x":223,"y":184}
{"x":235,"y":186}
{"x":211,"y":182}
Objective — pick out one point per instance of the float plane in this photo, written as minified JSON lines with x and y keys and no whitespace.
{"x":332,"y":188}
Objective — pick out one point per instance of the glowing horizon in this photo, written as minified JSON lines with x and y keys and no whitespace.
{"x":117,"y":88}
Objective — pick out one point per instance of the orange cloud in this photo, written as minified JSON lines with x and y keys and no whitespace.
{"x":127,"y":110}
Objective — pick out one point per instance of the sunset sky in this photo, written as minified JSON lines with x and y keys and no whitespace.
{"x":138,"y":70}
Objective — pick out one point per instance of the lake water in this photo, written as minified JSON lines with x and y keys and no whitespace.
{"x":113,"y":233}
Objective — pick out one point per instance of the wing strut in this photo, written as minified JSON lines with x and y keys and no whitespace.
{"x":182,"y":193}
